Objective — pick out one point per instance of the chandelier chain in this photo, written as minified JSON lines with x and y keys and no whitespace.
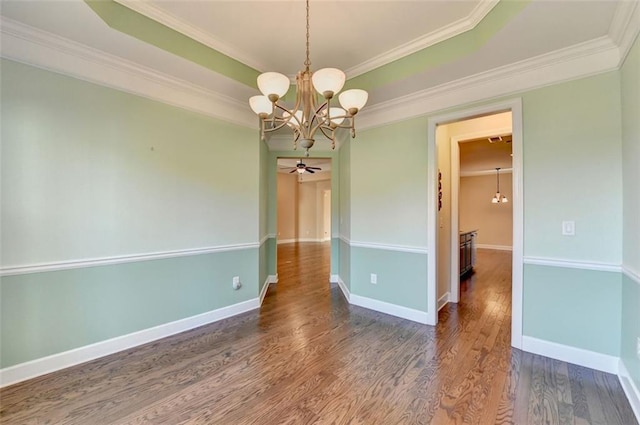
{"x":307,"y":62}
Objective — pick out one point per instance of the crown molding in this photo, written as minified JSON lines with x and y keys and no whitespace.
{"x":448,"y":31}
{"x":151,"y":11}
{"x":32,"y":46}
{"x":625,"y":26}
{"x":582,"y":60}
{"x":38,"y":48}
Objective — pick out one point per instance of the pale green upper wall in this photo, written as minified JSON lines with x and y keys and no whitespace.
{"x":572,"y":161}
{"x":389,"y":184}
{"x":345,"y":191}
{"x":91,"y":172}
{"x":630,"y":89}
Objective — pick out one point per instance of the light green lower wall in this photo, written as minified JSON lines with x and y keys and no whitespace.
{"x":267,"y":261}
{"x":272,"y":255}
{"x":630,"y":327}
{"x":402,"y":276}
{"x":48,"y":313}
{"x":345,"y":263}
{"x":574,"y":307}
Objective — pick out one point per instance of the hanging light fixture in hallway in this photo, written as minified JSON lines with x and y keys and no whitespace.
{"x":306,"y":117}
{"x":498,"y":197}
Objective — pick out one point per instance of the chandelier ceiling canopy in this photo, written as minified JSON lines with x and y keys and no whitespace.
{"x":312,"y":111}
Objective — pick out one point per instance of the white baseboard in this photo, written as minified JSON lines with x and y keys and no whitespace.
{"x":497,"y":247}
{"x":630,"y":388}
{"x":345,"y":291}
{"x":272,"y":278}
{"x":387,"y":308}
{"x":281,"y":241}
{"x":42,"y":366}
{"x":566,"y":353}
{"x":443,"y":300}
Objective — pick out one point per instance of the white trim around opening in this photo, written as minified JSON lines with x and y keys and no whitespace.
{"x":515,"y":106}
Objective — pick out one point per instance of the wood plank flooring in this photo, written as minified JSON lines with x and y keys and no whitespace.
{"x":307,"y":357}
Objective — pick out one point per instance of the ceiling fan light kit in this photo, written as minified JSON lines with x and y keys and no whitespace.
{"x":301,"y":168}
{"x":310,"y":112}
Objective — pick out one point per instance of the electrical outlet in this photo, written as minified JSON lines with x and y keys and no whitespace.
{"x":374,"y":278}
{"x":236,"y":283}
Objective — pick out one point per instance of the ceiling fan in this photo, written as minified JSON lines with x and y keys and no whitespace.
{"x":301,"y":167}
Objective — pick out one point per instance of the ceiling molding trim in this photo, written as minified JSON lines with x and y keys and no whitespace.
{"x":485,"y":172}
{"x":582,"y":60}
{"x":32,"y":46}
{"x":449,"y":31}
{"x":157,"y":14}
{"x":625,"y":26}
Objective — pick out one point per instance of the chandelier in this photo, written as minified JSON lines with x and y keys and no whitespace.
{"x":498,"y":198}
{"x":311,"y":112}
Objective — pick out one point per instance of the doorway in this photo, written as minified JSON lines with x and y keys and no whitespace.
{"x":439,"y":269}
{"x":303,"y":210}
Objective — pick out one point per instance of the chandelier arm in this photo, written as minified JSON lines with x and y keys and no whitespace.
{"x":291,"y":113}
{"x":331,"y":137}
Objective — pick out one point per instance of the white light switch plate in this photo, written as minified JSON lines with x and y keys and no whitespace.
{"x":568,"y":228}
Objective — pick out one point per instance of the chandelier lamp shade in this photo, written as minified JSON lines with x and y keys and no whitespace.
{"x":498,"y":198}
{"x":312,"y":110}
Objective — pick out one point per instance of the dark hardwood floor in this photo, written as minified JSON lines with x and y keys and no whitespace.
{"x":307,"y":357}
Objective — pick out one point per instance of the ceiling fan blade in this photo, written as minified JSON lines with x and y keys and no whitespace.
{"x":310,"y":170}
{"x":293,"y":171}
{"x":313,"y":168}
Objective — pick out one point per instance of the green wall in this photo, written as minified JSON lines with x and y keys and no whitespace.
{"x":344,"y":231}
{"x":388,"y":206}
{"x":90,"y":172}
{"x":572,"y":154}
{"x":579,"y":308}
{"x":572,"y":157}
{"x":389,"y":197}
{"x":263,"y":210}
{"x":48,"y":313}
{"x":630,"y":89}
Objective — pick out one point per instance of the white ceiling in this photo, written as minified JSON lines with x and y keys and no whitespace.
{"x":352,"y":35}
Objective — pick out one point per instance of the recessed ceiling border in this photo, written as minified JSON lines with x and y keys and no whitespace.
{"x":157,"y":14}
{"x":460,"y":26}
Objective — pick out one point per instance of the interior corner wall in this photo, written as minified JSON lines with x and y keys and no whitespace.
{"x":494,"y":222}
{"x":630,"y":101}
{"x":342,"y":235}
{"x":91,"y":174}
{"x":266,"y":242}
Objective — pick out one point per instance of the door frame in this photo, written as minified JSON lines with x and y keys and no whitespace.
{"x":515,"y":106}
